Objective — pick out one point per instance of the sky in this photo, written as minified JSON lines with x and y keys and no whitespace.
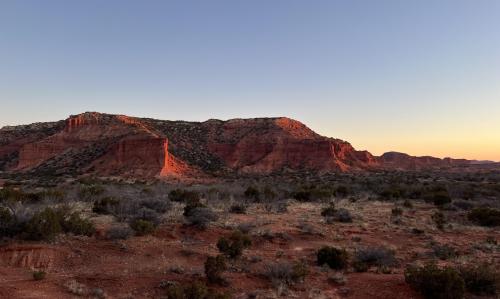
{"x":421,"y":77}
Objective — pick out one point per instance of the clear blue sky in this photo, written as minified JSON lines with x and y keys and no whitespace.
{"x":421,"y":77}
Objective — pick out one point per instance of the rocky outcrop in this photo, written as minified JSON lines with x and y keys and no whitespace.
{"x":145,"y":156}
{"x":108,"y":144}
{"x":401,"y":161}
{"x":118,"y":145}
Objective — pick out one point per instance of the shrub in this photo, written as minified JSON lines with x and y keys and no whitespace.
{"x":341,"y":191}
{"x":278,"y":206}
{"x":390,"y":193}
{"x":485,"y":216}
{"x":105,"y":205}
{"x":335,"y":258}
{"x":8,"y":223}
{"x":439,"y":219}
{"x":328,"y":211}
{"x":481,"y":279}
{"x":157,"y":205}
{"x":234,"y":245}
{"x":193,"y":290}
{"x":286,"y":273}
{"x":142,"y":227}
{"x":438,"y":197}
{"x":341,"y":215}
{"x":491,"y":240}
{"x":191,"y":205}
{"x":38,"y":275}
{"x":119,"y":233}
{"x":76,"y":225}
{"x":407,"y":204}
{"x":396,"y":212}
{"x":302,"y":195}
{"x":214,"y":266}
{"x":201,"y":217}
{"x":146,"y":214}
{"x":238,"y":209}
{"x":90,"y":191}
{"x":374,"y":256}
{"x":269,"y":194}
{"x":44,"y":225}
{"x":312,"y":193}
{"x":180,"y":195}
{"x":436,"y":283}
{"x":252,"y":193}
{"x":444,"y":252}
{"x":463,"y":204}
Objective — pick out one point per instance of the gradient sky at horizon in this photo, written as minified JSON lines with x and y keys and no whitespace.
{"x":421,"y":77}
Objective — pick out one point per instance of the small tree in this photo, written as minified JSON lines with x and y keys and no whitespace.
{"x":234,"y":245}
{"x":214,"y":266}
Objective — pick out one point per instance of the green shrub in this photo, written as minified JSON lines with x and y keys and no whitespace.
{"x":444,"y":252}
{"x":194,"y":290}
{"x":328,"y":211}
{"x":438,"y":197}
{"x":340,"y":215}
{"x":201,"y":217}
{"x":214,"y":266}
{"x":439,"y":219}
{"x":299,"y":271}
{"x":302,"y":195}
{"x":191,"y":205}
{"x":373,"y":256}
{"x":105,"y":205}
{"x":312,"y":193}
{"x":252,"y":193}
{"x":436,"y":283}
{"x":38,"y":275}
{"x":396,"y":211}
{"x":8,"y":223}
{"x":481,"y":279}
{"x":234,"y":245}
{"x":90,"y":191}
{"x":485,"y":216}
{"x":142,"y":227}
{"x":285,"y":273}
{"x":407,"y":204}
{"x":390,"y":193}
{"x":77,"y":225}
{"x":269,"y":194}
{"x":341,"y":191}
{"x":180,"y":195}
{"x":335,"y":258}
{"x":238,"y":209}
{"x":44,"y":225}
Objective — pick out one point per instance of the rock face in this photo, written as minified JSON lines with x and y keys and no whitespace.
{"x":118,"y":145}
{"x":401,"y":161}
{"x":100,"y":143}
{"x":268,"y":145}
